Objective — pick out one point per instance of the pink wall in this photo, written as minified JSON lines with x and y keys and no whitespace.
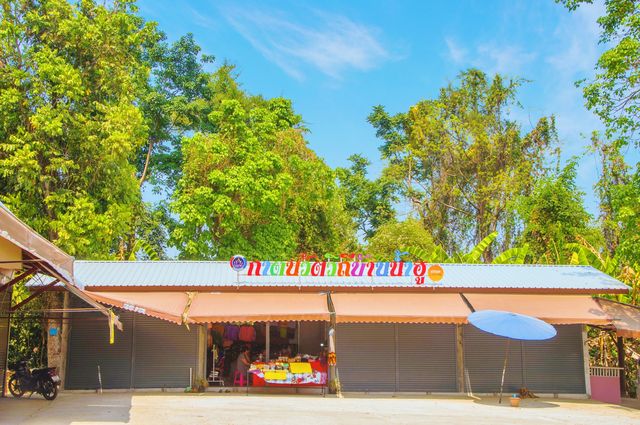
{"x":606,"y":389}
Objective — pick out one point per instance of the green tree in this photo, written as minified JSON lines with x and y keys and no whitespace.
{"x":392,"y":236}
{"x":251,"y":185}
{"x":614,"y":93}
{"x":369,"y":202}
{"x":70,"y":125}
{"x":554,"y":216}
{"x":460,"y":162}
{"x":173,"y":103}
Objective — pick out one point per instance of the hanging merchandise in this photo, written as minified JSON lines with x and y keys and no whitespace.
{"x":283,"y":331}
{"x":331,"y":357}
{"x":247,"y":333}
{"x":232,"y":332}
{"x":218,"y":327}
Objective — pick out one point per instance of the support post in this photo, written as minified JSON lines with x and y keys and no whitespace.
{"x":267,"y":341}
{"x":64,"y":338}
{"x":620,"y":344}
{"x":460,"y":358}
{"x":504,"y":369}
{"x":586,"y":362}
{"x":201,"y":370}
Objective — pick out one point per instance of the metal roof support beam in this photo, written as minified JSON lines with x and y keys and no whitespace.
{"x":35,"y":294}
{"x":17,"y":279}
{"x":80,"y":294}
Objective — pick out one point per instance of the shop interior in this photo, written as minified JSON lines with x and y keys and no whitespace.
{"x":291,"y":353}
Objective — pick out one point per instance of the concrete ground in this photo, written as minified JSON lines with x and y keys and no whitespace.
{"x":234,"y":408}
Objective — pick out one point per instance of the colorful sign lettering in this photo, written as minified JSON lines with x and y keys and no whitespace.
{"x":417,"y":270}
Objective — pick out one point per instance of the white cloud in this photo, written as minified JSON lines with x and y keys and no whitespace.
{"x":492,"y":57}
{"x":331,"y":44}
{"x":456,"y":53}
{"x":502,"y":58}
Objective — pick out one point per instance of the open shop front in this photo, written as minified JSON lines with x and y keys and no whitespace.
{"x":283,"y":353}
{"x":261,"y":339}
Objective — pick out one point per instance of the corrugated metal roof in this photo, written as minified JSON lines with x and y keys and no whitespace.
{"x":219,"y":274}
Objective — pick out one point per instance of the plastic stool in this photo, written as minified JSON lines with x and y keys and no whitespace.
{"x":238,"y":378}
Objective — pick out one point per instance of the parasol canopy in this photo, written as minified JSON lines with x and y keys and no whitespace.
{"x":512,"y":325}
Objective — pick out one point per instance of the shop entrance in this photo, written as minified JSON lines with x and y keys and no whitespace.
{"x":274,"y":353}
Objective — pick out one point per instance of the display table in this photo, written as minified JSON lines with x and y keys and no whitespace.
{"x":311,"y":374}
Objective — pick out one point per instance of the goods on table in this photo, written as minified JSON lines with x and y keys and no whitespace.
{"x":287,"y":372}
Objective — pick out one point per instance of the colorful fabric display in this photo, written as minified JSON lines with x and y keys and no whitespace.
{"x":218,"y":327}
{"x":232,"y":332}
{"x":247,"y":334}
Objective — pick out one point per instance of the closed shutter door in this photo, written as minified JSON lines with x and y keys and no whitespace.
{"x":163,"y":353}
{"x":89,"y":348}
{"x":556,"y":365}
{"x":426,"y":357}
{"x":484,"y":355}
{"x":366,"y":356}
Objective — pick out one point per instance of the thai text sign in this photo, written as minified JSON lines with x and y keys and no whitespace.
{"x":417,"y":270}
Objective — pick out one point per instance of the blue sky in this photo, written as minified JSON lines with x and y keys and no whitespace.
{"x":338,"y":59}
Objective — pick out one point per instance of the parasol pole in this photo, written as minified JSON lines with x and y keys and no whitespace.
{"x":504,"y":369}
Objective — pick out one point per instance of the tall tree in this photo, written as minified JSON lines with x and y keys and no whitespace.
{"x":251,"y":185}
{"x":369,"y":202}
{"x":614,"y":93}
{"x":394,"y":236}
{"x":459,"y":160}
{"x":70,"y":126}
{"x":173,"y":103}
{"x":554,"y":217}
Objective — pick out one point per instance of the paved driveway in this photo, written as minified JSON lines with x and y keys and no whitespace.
{"x":220,"y":409}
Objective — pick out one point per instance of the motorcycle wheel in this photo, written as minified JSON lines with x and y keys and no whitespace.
{"x":14,"y":387}
{"x":49,"y":389}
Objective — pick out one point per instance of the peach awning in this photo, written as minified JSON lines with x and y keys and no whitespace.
{"x":554,"y":309}
{"x":162,"y":305}
{"x":625,"y":317}
{"x":399,"y":308}
{"x":258,"y":307}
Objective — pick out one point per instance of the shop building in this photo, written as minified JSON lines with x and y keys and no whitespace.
{"x":393,"y":333}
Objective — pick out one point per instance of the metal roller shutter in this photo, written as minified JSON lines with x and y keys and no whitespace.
{"x":89,"y":347}
{"x":426,"y":357}
{"x":556,"y":365}
{"x":552,"y":366}
{"x":366,"y":356}
{"x":163,"y":353}
{"x":483,"y":360}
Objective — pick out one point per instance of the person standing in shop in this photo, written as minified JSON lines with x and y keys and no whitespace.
{"x":244,"y":361}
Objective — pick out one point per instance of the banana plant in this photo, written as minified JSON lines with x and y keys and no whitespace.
{"x":516,"y":255}
{"x":144,"y":246}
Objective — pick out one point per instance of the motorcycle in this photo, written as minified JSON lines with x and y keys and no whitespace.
{"x":42,"y":381}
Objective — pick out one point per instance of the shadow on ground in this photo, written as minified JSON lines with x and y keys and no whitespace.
{"x":529,"y":403}
{"x":68,"y":409}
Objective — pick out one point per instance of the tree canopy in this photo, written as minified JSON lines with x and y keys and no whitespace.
{"x":459,"y":161}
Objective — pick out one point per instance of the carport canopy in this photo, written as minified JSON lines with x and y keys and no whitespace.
{"x":553,"y":309}
{"x":625,"y":317}
{"x":399,"y":308}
